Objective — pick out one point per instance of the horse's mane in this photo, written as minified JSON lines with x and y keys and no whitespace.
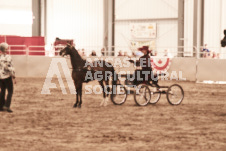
{"x":76,"y":52}
{"x":73,"y":49}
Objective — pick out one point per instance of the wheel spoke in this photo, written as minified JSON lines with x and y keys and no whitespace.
{"x":155,"y":95}
{"x":120,"y":95}
{"x":142,"y":95}
{"x":175,"y":94}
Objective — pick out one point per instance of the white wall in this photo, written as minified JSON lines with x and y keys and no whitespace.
{"x":162,"y":12}
{"x":167,"y":36}
{"x":223,"y":17}
{"x":146,"y":9}
{"x":223,"y":26}
{"x":16,"y":17}
{"x":81,"y":20}
{"x":214,"y":24}
{"x":188,"y":26}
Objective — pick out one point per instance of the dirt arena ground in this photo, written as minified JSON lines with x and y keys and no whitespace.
{"x":49,"y":123}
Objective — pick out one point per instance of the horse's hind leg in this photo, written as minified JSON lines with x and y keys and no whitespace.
{"x":104,"y":95}
{"x":108,"y":88}
{"x":107,"y":91}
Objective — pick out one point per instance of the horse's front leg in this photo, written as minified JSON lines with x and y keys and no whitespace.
{"x":77,"y":96}
{"x":76,"y":103}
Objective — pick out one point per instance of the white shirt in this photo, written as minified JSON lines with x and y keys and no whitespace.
{"x":6,"y":67}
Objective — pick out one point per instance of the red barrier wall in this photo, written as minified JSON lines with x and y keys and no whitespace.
{"x":24,"y":44}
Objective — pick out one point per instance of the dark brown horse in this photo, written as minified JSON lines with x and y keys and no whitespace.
{"x":84,"y":71}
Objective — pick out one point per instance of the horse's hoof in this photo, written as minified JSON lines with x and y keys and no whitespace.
{"x":75,"y":105}
{"x":102,"y":103}
{"x":105,"y":104}
{"x":79,"y":106}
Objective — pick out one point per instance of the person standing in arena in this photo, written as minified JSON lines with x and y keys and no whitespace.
{"x":7,"y":75}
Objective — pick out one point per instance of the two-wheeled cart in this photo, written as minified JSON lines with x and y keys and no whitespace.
{"x":146,"y":92}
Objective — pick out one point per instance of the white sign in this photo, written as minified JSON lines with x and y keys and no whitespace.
{"x":143,"y":30}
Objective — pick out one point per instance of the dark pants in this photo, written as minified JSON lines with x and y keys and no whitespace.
{"x":6,"y":84}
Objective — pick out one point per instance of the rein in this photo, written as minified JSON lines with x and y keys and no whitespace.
{"x":79,"y":69}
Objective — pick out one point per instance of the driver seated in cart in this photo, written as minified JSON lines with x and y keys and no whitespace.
{"x":146,"y":74}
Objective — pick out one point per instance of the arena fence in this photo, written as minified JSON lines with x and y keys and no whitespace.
{"x":191,"y":69}
{"x":34,"y":61}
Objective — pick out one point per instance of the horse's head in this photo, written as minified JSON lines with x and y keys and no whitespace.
{"x":67,"y":50}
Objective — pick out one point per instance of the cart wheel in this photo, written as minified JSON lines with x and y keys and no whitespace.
{"x":142,"y":96}
{"x":119,"y":95}
{"x":155,"y":95}
{"x":175,"y":94}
